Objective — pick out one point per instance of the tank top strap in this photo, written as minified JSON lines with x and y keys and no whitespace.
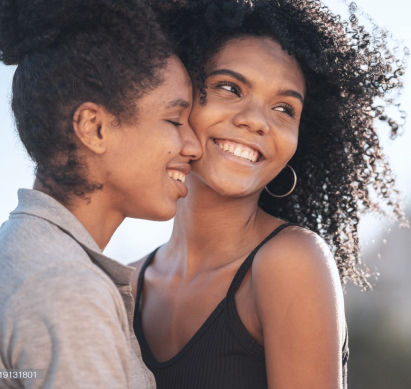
{"x":143,"y":269}
{"x":245,"y":266}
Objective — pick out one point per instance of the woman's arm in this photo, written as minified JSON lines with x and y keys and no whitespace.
{"x":300,"y":306}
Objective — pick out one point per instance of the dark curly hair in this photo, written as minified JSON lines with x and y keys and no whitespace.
{"x":350,"y":75}
{"x":68,"y":52}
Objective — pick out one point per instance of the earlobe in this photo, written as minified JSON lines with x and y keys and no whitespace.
{"x":88,"y":125}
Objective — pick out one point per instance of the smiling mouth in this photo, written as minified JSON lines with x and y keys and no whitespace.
{"x":238,"y":150}
{"x":176,"y":175}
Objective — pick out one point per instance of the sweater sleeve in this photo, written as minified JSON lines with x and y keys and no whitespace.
{"x":71,"y":327}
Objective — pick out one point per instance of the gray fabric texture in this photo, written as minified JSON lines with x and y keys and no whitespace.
{"x":65,"y":308}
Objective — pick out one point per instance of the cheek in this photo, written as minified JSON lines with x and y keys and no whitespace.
{"x":294,"y":141}
{"x":203,"y":118}
{"x":161,"y":143}
{"x":289,"y":141}
{"x":198,"y":120}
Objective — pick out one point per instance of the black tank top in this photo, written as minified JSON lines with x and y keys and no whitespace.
{"x":222,"y":354}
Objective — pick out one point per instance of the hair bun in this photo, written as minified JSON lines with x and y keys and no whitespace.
{"x":8,"y":31}
{"x":27,"y":26}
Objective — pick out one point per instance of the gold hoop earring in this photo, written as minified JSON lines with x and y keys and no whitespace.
{"x":290,"y":191}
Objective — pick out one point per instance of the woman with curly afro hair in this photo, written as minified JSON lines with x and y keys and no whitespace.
{"x":101,"y":104}
{"x":247,"y":293}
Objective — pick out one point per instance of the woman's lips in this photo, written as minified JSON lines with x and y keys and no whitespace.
{"x":177,"y":173}
{"x":238,"y":149}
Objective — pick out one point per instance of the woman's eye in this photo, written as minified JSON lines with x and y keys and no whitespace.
{"x":229,"y":87}
{"x":287,"y":109}
{"x":175,"y":123}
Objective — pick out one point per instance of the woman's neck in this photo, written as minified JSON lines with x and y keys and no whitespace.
{"x":94,"y":212}
{"x":100,"y":220}
{"x":211,"y":230}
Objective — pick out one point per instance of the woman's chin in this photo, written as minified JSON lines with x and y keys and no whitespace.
{"x":163,"y":213}
{"x":232,"y":189}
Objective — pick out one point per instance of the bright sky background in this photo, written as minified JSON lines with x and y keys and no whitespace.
{"x":135,"y":238}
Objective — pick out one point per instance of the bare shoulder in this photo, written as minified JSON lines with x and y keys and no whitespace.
{"x":295,"y":275}
{"x":298,"y":254}
{"x":134,"y":278}
{"x":299,"y":303}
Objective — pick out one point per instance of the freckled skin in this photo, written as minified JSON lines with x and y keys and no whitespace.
{"x":142,"y":150}
{"x":134,"y":158}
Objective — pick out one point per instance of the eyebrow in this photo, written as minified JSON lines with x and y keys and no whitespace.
{"x":231,"y":73}
{"x":241,"y":78}
{"x":292,"y":93}
{"x":178,"y":103}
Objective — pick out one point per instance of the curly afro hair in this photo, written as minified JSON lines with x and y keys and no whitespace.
{"x":68,"y":52}
{"x":349,"y":74}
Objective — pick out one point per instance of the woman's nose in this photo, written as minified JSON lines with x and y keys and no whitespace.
{"x":191,"y":146}
{"x":252,"y":117}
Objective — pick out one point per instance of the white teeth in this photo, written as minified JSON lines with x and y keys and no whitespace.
{"x":176,"y":175}
{"x":238,"y":150}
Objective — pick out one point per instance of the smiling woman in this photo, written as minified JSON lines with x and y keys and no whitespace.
{"x":145,"y":166}
{"x":96,"y":138}
{"x":101,"y":105}
{"x":246,"y":294}
{"x":235,"y":127}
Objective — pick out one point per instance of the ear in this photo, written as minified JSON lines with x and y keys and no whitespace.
{"x":89,"y":124}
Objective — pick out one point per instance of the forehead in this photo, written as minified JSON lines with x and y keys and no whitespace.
{"x":175,"y":77}
{"x":175,"y":87}
{"x":175,"y":72}
{"x":261,"y":58}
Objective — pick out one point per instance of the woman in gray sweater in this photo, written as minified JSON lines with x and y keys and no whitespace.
{"x":101,"y":105}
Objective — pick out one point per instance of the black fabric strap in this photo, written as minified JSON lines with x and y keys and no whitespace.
{"x":245,"y":266}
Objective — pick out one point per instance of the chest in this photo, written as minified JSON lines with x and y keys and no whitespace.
{"x":175,"y":314}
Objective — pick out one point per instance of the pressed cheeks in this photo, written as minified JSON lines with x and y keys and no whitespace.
{"x":248,"y":126}
{"x":149,"y":158}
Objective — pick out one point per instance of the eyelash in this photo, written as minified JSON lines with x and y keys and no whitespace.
{"x":288,"y":109}
{"x":176,"y":124}
{"x":237,"y":90}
